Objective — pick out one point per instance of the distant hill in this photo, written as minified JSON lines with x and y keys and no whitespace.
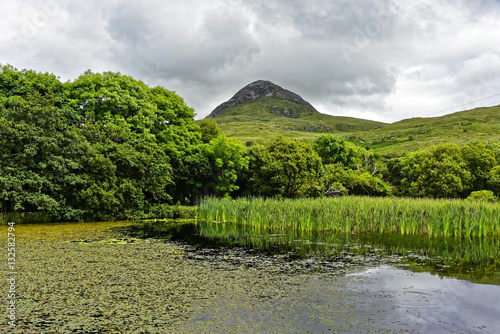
{"x":265,"y":89}
{"x":263,"y":108}
{"x":413,"y":133}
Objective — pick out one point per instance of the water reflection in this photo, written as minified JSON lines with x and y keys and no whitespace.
{"x":473,"y":259}
{"x":429,"y":303}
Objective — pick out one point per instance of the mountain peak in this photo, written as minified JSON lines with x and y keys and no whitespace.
{"x":256,"y":90}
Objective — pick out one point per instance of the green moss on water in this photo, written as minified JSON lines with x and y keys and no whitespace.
{"x":96,"y":278}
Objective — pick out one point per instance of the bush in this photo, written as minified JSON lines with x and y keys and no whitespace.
{"x":482,"y":195}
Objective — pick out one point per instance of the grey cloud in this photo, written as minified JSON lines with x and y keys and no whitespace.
{"x":384,"y":59}
{"x":188,"y":51}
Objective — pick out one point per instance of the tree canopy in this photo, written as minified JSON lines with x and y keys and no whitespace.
{"x":107,"y":146}
{"x":104,"y":146}
{"x":283,"y":167}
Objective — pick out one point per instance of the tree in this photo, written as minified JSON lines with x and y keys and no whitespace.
{"x":209,"y":130}
{"x":332,"y":149}
{"x":339,"y":181}
{"x":350,"y":168}
{"x":228,"y":159}
{"x":26,"y":83}
{"x":148,"y":134}
{"x":105,"y":146}
{"x":479,"y":162}
{"x":193,"y":178}
{"x":439,"y":171}
{"x":368,"y":161}
{"x":37,"y":154}
{"x":283,"y":167}
{"x":494,"y":180}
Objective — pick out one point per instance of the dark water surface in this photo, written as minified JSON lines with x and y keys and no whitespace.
{"x":202,"y":277}
{"x":357,"y":283}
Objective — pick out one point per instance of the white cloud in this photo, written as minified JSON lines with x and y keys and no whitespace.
{"x":383,"y":60}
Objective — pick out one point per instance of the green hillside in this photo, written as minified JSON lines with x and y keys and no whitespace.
{"x":410,"y":134}
{"x":267,"y":117}
{"x":271,"y":116}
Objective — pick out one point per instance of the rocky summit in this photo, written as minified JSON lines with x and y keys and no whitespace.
{"x":256,"y":90}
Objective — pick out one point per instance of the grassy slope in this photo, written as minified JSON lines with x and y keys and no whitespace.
{"x":411,"y":134}
{"x":254,"y":120}
{"x":266,"y":117}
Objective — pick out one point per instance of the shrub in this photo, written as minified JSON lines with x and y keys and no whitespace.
{"x":482,"y":195}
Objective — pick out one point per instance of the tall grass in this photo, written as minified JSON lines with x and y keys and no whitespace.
{"x":448,"y":251}
{"x":433,"y":217}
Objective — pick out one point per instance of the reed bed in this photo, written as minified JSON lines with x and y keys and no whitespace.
{"x":433,"y":217}
{"x":477,"y":253}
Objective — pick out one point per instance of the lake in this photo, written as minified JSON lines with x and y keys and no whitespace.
{"x":202,"y":277}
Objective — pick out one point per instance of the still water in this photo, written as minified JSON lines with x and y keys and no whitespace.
{"x":391,"y":283}
{"x":430,"y":303}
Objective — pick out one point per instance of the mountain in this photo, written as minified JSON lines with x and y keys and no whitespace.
{"x":263,"y":108}
{"x":265,"y":89}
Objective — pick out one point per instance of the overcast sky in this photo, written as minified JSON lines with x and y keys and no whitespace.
{"x":379,"y":60}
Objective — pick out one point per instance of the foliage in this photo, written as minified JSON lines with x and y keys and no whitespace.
{"x":448,"y":170}
{"x":37,"y":150}
{"x":482,"y":195}
{"x":352,"y":214}
{"x":439,"y":171}
{"x":350,"y":168}
{"x":193,"y":175}
{"x":494,"y":180}
{"x":340,"y":181}
{"x":228,"y":158}
{"x":368,"y":161}
{"x":138,"y":140}
{"x":332,"y":150}
{"x":105,"y":146}
{"x":283,"y":168}
{"x":479,"y":162}
{"x":209,"y":130}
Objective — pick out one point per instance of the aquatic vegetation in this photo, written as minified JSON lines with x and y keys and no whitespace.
{"x":91,"y":278}
{"x":475,"y":259}
{"x":433,"y":217}
{"x":101,"y":278}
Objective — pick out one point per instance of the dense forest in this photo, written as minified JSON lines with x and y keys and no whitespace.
{"x":106,"y":146}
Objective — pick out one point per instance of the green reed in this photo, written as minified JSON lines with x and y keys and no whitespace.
{"x":446,"y":250}
{"x":434,"y":217}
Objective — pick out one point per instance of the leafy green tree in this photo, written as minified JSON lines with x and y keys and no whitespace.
{"x":439,"y":171}
{"x":209,"y":130}
{"x":24,"y":83}
{"x":482,"y":195}
{"x":148,"y":134}
{"x":228,"y":160}
{"x":495,"y":147}
{"x":369,"y":162}
{"x":124,"y":174}
{"x":105,"y":146}
{"x":393,"y":173}
{"x":340,"y":181}
{"x":350,"y":168}
{"x":479,"y":162}
{"x":37,"y":154}
{"x":193,"y":178}
{"x":494,"y":180}
{"x":332,"y":149}
{"x":284,"y":168}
